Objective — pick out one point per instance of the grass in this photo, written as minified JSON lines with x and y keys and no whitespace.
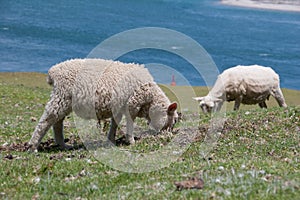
{"x":256,"y":155}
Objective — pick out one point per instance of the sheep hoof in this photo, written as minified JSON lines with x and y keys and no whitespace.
{"x":130,"y":141}
{"x":32,"y":148}
{"x":66,"y":147}
{"x":111,"y":142}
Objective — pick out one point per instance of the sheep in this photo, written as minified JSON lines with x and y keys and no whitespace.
{"x":243,"y":84}
{"x":101,"y":89}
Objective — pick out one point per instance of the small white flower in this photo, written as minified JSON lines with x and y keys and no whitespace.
{"x":240,"y":175}
{"x":36,"y":180}
{"x":252,"y":173}
{"x":227,"y":192}
{"x":176,"y":152}
{"x":94,"y":187}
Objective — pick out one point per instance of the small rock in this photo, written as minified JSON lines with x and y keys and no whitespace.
{"x":5,"y":144}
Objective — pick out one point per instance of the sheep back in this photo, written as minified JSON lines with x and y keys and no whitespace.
{"x":255,"y":83}
{"x":97,"y":85}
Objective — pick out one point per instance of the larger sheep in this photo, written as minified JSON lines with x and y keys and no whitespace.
{"x":243,"y":84}
{"x":101,"y":89}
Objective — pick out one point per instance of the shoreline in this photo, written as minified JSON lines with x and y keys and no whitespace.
{"x":281,"y":5}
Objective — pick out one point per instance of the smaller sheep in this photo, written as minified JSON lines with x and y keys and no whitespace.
{"x":243,"y":84}
{"x":101,"y":89}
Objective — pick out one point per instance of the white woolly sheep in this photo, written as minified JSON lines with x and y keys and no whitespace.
{"x":243,"y":84}
{"x":101,"y":89}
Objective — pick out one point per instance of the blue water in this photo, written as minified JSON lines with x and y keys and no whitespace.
{"x":34,"y":34}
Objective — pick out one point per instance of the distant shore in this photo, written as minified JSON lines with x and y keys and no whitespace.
{"x":284,"y":5}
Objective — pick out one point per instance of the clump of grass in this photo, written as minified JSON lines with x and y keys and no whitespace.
{"x":256,"y":155}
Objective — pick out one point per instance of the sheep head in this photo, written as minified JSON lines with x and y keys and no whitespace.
{"x":207,"y":103}
{"x":163,"y":119}
{"x":172,"y":117}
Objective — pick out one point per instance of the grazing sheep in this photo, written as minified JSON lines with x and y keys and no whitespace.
{"x":243,"y":84}
{"x":101,"y":89}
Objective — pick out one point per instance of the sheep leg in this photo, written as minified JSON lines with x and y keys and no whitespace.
{"x":262,"y":104}
{"x":218,"y":106}
{"x":112,"y":131}
{"x":237,"y":103}
{"x":58,"y":134}
{"x":46,"y":121}
{"x":277,"y":94}
{"x":129,"y":128}
{"x":53,"y":114}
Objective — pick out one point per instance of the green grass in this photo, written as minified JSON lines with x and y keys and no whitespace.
{"x":256,"y":155}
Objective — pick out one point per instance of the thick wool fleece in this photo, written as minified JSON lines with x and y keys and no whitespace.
{"x":101,"y":89}
{"x":244,"y":84}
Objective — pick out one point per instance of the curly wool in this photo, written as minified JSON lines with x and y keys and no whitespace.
{"x":244,"y":84}
{"x":101,"y":89}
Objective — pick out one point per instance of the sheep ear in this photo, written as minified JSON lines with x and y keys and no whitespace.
{"x":198,"y":98}
{"x":218,"y":100}
{"x":172,"y":107}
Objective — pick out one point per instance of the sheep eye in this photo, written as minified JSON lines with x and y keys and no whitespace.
{"x":175,"y":120}
{"x":209,"y":108}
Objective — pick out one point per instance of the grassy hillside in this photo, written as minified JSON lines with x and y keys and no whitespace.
{"x":256,"y":155}
{"x":182,"y":94}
